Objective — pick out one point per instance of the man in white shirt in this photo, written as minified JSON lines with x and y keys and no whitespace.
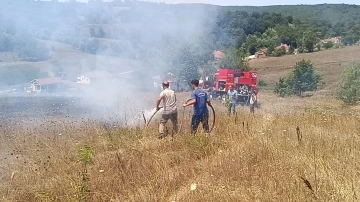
{"x":170,"y":110}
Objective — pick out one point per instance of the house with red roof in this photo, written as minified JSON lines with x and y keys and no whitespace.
{"x":50,"y":84}
{"x":218,"y":55}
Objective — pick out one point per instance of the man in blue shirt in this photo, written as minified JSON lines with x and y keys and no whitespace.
{"x":232,"y":95}
{"x":201,"y":113}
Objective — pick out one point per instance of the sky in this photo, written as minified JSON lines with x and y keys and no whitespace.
{"x":260,"y":2}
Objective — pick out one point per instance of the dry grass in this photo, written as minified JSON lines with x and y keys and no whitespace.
{"x":247,"y":158}
{"x":329,"y":62}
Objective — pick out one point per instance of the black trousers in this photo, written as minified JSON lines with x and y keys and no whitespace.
{"x":195,"y":121}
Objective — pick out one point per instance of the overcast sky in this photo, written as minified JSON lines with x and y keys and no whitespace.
{"x":260,"y":2}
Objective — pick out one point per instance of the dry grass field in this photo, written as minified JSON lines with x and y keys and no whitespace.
{"x":292,"y":149}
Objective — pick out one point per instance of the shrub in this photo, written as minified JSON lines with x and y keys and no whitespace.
{"x":328,"y":45}
{"x":283,"y":87}
{"x":279,"y":52}
{"x":349,"y":91}
{"x":303,"y":78}
{"x":262,"y":83}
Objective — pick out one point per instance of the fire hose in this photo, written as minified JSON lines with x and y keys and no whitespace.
{"x":182,"y":119}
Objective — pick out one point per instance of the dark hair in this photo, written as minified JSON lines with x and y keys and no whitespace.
{"x":165,"y":84}
{"x":195,"y":82}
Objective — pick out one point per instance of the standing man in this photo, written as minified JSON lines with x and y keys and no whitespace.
{"x":253,"y":98}
{"x":170,"y":110}
{"x":232,"y":94}
{"x":201,"y":113}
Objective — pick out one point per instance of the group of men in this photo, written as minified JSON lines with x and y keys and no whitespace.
{"x":200,"y":100}
{"x":233,"y":96}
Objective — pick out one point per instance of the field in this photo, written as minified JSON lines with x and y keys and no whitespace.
{"x":292,"y":149}
{"x":330,"y":63}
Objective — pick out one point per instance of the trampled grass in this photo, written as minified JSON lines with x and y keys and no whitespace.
{"x":301,"y":155}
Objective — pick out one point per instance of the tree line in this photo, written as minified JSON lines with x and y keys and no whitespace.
{"x":159,"y":34}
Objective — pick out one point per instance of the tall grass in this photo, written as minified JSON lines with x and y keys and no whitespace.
{"x":247,"y":158}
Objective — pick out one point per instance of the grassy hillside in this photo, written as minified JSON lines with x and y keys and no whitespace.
{"x":330,"y":63}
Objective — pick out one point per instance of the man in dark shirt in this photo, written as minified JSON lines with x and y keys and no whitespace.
{"x":201,"y":113}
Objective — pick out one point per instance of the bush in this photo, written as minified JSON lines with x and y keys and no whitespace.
{"x":328,"y":45}
{"x":349,"y":91}
{"x":262,"y":83}
{"x":283,"y":87}
{"x":303,"y":78}
{"x":279,"y":52}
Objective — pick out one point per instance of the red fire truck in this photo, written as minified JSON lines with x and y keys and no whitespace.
{"x":218,"y":84}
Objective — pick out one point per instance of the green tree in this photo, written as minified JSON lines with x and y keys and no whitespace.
{"x":328,"y":45}
{"x":279,"y":52}
{"x":185,"y":65}
{"x":252,"y":44}
{"x":270,"y":38}
{"x":349,"y":91}
{"x":309,"y":39}
{"x":303,"y":78}
{"x":283,"y":87}
{"x":234,"y":59}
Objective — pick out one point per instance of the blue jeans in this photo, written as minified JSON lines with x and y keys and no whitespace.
{"x":195,"y":121}
{"x":231,"y":108}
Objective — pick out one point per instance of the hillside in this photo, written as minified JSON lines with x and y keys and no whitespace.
{"x":330,"y":63}
{"x":329,"y":13}
{"x":165,"y":38}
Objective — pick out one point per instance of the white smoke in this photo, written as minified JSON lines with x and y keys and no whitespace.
{"x":138,"y":120}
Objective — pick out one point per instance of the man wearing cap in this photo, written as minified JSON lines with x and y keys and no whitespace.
{"x":170,"y":110}
{"x":232,"y":94}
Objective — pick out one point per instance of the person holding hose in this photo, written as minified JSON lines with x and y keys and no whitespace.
{"x":199,"y":99}
{"x":170,"y":110}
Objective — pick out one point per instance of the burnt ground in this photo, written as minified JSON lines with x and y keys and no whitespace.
{"x":26,"y":109}
{"x":38,"y":107}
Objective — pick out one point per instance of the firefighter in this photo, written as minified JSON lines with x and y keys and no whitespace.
{"x":253,"y":98}
{"x":233,"y":96}
{"x":168,"y":97}
{"x":201,"y":113}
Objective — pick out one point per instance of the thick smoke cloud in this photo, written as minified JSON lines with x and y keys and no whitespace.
{"x":68,"y":39}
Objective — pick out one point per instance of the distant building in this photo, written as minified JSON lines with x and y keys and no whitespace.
{"x":51,"y":84}
{"x":218,"y":55}
{"x":333,"y":40}
{"x":285,"y":46}
{"x":251,"y":57}
{"x":262,"y":53}
{"x":94,"y":77}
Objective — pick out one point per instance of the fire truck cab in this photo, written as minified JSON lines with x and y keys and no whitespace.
{"x":219,"y":83}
